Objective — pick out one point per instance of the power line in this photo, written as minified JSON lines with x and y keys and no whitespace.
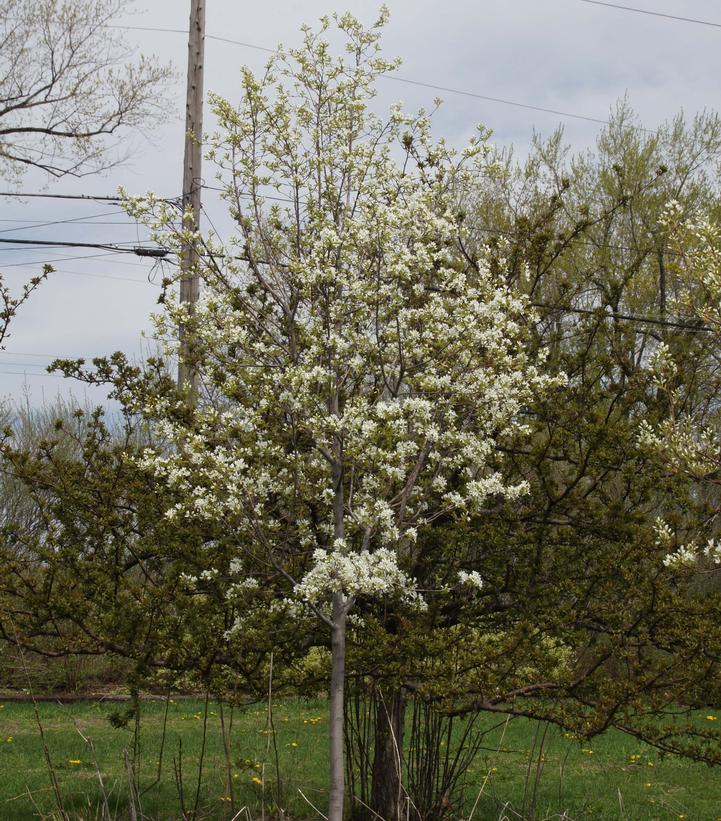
{"x":86,"y":197}
{"x":39,"y":355}
{"x":16,"y":364}
{"x":408,"y":81}
{"x":65,"y":272}
{"x":185,"y":31}
{"x":31,"y":373}
{"x":653,"y":13}
{"x":106,"y":257}
{"x":89,"y":197}
{"x":155,"y":252}
{"x":500,"y":100}
{"x":31,"y":263}
{"x":29,"y":225}
{"x":648,"y":320}
{"x":102,"y":276}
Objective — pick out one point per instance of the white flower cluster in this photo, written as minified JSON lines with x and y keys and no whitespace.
{"x":472,"y":579}
{"x":368,"y":575}
{"x":687,"y":555}
{"x":662,"y":365}
{"x":683,"y":445}
{"x":243,"y":586}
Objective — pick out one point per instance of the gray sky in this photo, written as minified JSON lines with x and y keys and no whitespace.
{"x":566,"y":55}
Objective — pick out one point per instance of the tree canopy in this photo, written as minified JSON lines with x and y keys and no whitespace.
{"x":68,"y":90}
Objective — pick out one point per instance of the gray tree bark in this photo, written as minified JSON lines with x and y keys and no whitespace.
{"x":335,"y":733}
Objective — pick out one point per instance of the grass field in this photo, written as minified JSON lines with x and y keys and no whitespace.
{"x":612,"y":777}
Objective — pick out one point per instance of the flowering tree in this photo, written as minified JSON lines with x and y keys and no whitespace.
{"x":687,"y":442}
{"x":356,"y":374}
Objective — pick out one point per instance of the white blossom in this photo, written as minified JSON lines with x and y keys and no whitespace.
{"x":371,"y":575}
{"x":472,"y":578}
{"x":685,"y":556}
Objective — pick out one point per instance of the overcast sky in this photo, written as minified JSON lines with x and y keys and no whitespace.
{"x":567,"y":55}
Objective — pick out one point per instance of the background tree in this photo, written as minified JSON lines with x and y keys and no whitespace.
{"x":687,"y":440}
{"x":68,"y":92}
{"x":92,"y":568}
{"x":577,"y":621}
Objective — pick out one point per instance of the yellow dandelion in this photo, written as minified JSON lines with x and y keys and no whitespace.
{"x":649,"y":763}
{"x":648,"y":784}
{"x":225,"y":798}
{"x":494,"y":769}
{"x":9,"y":739}
{"x":256,"y":780}
{"x":710,"y":718}
{"x":74,"y":761}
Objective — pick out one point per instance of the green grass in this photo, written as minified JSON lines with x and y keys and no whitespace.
{"x":612,"y":777}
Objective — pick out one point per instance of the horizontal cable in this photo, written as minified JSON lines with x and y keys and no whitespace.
{"x":406,"y":80}
{"x":137,"y":250}
{"x":604,"y":314}
{"x":33,"y":263}
{"x":86,"y":197}
{"x":29,"y":225}
{"x":652,"y":13}
{"x":31,"y":373}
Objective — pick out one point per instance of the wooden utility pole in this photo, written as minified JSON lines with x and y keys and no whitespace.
{"x":189,"y":277}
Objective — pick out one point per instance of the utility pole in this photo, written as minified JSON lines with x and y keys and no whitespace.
{"x":189,"y":278}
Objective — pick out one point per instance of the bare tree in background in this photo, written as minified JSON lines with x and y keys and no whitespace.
{"x":70,"y":88}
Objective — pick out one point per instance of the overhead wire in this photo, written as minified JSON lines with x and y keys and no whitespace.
{"x":30,"y":225}
{"x":477,"y":96}
{"x":86,"y":197}
{"x":140,"y":251}
{"x":32,"y":373}
{"x":102,"y":276}
{"x":185,"y":32}
{"x":39,"y":355}
{"x":652,"y":13}
{"x":15,"y":364}
{"x":407,"y":80}
{"x":32,"y":263}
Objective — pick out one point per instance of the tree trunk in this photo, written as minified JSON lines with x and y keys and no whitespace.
{"x":387,"y":790}
{"x":335,"y":733}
